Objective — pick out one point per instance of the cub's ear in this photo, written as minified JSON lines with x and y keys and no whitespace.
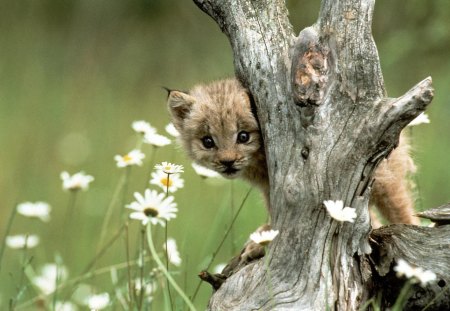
{"x":179,"y":105}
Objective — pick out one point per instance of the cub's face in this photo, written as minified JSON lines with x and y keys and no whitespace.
{"x":217,"y":126}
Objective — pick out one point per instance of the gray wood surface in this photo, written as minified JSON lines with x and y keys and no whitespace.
{"x":326,"y":122}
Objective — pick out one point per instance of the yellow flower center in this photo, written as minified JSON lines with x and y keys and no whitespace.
{"x":167,"y":182}
{"x":167,"y":168}
{"x":127,"y":158}
{"x":150,"y":212}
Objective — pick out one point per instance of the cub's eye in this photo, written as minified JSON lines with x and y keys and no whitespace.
{"x":243,"y":137}
{"x":208,"y":142}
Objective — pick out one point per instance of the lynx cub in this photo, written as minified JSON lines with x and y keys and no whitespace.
{"x":219,"y":130}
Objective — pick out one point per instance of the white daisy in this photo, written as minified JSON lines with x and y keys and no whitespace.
{"x":50,"y":276}
{"x":77,"y":181}
{"x":153,"y":207}
{"x":156,"y":140}
{"x":170,"y":168}
{"x":149,"y":287}
{"x":170,"y":128}
{"x":219,"y":268}
{"x":167,"y":181}
{"x":416,"y":274}
{"x":134,"y":157}
{"x":65,"y":306}
{"x":420,"y":119}
{"x":204,"y":172}
{"x":21,"y":241}
{"x":337,"y":210}
{"x":264,"y":237}
{"x":143,"y":127}
{"x":172,"y":252}
{"x":404,"y":268}
{"x":98,"y":302}
{"x":425,"y":276}
{"x":39,"y":210}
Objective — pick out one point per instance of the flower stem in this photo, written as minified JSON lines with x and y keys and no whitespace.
{"x":152,"y":159}
{"x":166,"y":229}
{"x":164,"y":270}
{"x":222,"y":241}
{"x":109,"y":210}
{"x":8,"y":229}
{"x":141,"y":276}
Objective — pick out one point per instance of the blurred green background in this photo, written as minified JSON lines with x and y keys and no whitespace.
{"x":75,"y":74}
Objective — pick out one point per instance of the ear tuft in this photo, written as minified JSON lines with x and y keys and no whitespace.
{"x":179,"y":105}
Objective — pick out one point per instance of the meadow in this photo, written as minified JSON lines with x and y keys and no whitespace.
{"x":75,"y":75}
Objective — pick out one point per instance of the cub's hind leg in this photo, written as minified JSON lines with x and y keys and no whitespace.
{"x":392,"y":193}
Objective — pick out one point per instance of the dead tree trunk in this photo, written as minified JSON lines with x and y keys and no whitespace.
{"x":326,"y":123}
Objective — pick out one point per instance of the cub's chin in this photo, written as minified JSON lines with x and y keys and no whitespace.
{"x":231,"y":173}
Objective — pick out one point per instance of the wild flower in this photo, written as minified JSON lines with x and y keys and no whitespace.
{"x":167,"y":181}
{"x":415,"y":274}
{"x":172,"y":252}
{"x":420,"y":119}
{"x":219,"y":268}
{"x":50,"y":275}
{"x":65,"y":306}
{"x":263,"y":237}
{"x":156,"y":140}
{"x":148,"y":287}
{"x":77,"y":181}
{"x":204,"y":172}
{"x":171,"y":130}
{"x":153,"y":207}
{"x":21,"y":241}
{"x":143,"y":127}
{"x":337,"y":211}
{"x":170,"y":168}
{"x":98,"y":302}
{"x":134,"y":157}
{"x":39,"y":210}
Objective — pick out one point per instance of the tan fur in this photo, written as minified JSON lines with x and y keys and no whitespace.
{"x":222,"y":109}
{"x":391,"y":192}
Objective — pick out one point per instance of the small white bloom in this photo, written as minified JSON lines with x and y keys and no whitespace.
{"x":425,"y":277}
{"x":416,"y":274}
{"x":264,"y":237}
{"x":77,"y":181}
{"x":170,"y":128}
{"x":163,"y":180}
{"x":143,"y":127}
{"x":149,"y":287}
{"x":172,"y":252}
{"x":156,"y":140}
{"x":204,"y":172}
{"x":153,"y":207}
{"x":337,"y":210}
{"x":170,"y":168}
{"x":98,"y":302}
{"x":39,"y":210}
{"x":403,"y":268}
{"x":65,"y":306}
{"x":219,"y":268}
{"x":420,"y":119}
{"x":51,"y":275}
{"x":21,"y":241}
{"x":134,"y":157}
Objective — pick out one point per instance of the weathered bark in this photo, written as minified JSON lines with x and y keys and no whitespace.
{"x":326,"y":124}
{"x":428,"y":248}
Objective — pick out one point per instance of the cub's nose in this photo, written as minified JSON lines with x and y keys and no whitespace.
{"x":227,"y":163}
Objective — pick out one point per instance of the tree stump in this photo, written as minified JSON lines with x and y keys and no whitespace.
{"x":326,"y":122}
